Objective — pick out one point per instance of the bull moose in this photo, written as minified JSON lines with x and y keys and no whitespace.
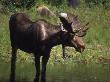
{"x":40,"y":36}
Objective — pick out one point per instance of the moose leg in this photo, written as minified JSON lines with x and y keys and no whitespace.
{"x":13,"y":64}
{"x":37,"y":65}
{"x":44,"y":63}
{"x":63,"y":50}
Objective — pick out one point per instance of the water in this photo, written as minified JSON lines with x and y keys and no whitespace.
{"x":81,"y":73}
{"x":59,"y":72}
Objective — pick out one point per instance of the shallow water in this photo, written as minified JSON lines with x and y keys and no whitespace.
{"x":59,"y":72}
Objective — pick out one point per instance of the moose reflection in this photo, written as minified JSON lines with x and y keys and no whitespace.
{"x":39,"y":37}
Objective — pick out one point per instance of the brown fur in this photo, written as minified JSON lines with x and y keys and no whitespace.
{"x":38,"y":38}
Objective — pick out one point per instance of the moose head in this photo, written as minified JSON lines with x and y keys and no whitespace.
{"x":73,"y":30}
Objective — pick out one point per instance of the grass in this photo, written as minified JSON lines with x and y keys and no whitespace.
{"x":93,"y":65}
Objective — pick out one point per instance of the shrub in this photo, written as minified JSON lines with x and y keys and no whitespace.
{"x":19,"y":3}
{"x":104,"y":3}
{"x":55,"y":2}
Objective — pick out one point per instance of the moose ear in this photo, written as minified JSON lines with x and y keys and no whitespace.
{"x":63,"y":19}
{"x":66,"y":25}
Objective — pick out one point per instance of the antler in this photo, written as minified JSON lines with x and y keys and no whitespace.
{"x":83,"y":28}
{"x":82,"y":31}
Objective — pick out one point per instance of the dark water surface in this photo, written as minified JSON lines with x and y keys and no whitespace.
{"x":59,"y":72}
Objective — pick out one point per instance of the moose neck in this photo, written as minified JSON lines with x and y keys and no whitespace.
{"x":56,"y":35}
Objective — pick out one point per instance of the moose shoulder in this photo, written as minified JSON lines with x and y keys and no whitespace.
{"x":38,"y":38}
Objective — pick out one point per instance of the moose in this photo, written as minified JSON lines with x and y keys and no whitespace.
{"x":40,"y":36}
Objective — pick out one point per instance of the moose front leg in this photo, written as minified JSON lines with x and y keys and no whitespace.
{"x":63,"y":51}
{"x":13,"y":64}
{"x":44,"y":63}
{"x":37,"y":65}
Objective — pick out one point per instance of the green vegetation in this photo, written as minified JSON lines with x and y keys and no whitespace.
{"x":93,"y":65}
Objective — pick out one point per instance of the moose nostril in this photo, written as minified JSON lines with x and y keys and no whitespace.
{"x":82,"y":48}
{"x":83,"y":45}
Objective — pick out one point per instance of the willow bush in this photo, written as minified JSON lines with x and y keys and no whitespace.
{"x":12,"y":4}
{"x":104,"y":3}
{"x":19,"y":3}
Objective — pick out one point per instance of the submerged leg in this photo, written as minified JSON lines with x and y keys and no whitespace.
{"x":37,"y":65}
{"x":13,"y":64}
{"x":44,"y":63}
